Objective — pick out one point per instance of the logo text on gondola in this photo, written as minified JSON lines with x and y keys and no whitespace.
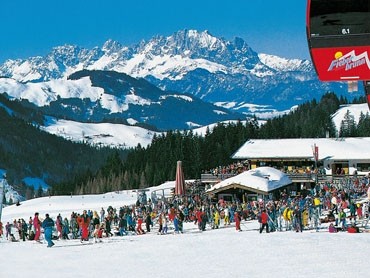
{"x":349,"y":61}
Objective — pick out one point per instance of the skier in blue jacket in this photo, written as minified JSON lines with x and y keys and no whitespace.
{"x":48,"y":225}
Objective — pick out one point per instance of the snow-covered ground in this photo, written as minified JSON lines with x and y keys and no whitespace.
{"x":213,"y":253}
{"x":116,"y":134}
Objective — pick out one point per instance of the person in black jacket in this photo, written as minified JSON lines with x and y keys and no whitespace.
{"x":24,"y":228}
{"x":204,"y":219}
{"x":148,"y":222}
{"x":181,"y":218}
{"x":298,"y":219}
{"x":48,"y":225}
{"x":108,"y":222}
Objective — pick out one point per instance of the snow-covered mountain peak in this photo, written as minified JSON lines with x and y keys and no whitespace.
{"x":188,"y":43}
{"x":171,"y":57}
{"x":112,"y":46}
{"x":188,"y":61}
{"x":67,"y":49}
{"x":204,"y":39}
{"x":283,"y":64}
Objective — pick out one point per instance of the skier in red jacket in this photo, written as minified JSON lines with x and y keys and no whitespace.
{"x":84,"y":222}
{"x":139,"y":229}
{"x":237,"y":221}
{"x":264,"y":221}
{"x":37,"y":225}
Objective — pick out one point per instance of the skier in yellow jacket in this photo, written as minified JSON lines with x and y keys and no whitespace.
{"x":216,"y":219}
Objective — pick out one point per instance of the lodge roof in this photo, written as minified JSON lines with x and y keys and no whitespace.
{"x":261,"y":180}
{"x":328,"y":148}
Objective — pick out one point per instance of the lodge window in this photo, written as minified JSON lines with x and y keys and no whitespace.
{"x":363,"y":166}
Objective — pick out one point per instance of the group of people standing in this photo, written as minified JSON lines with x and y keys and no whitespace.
{"x":287,"y":213}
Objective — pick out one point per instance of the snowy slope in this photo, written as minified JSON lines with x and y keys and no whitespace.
{"x":354,"y":109}
{"x":213,"y":253}
{"x":106,"y":134}
{"x":42,"y":93}
{"x":131,"y":135}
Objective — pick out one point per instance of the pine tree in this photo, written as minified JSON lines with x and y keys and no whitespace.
{"x":143,"y":183}
{"x":348,"y":125}
{"x":363,"y":127}
{"x":30,"y":193}
{"x":40,"y":192}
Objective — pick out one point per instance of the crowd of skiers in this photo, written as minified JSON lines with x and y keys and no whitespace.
{"x":328,"y":202}
{"x":344,"y":202}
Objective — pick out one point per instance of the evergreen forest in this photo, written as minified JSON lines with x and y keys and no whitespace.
{"x":156,"y":163}
{"x":28,"y":151}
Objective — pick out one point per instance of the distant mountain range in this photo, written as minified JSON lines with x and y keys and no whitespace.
{"x":167,"y":82}
{"x":108,"y":96}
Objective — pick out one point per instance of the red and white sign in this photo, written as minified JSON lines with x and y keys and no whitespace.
{"x":342,"y":63}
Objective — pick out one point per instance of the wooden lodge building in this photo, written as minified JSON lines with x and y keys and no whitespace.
{"x":305,"y":161}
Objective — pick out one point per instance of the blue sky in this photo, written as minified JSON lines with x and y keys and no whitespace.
{"x":31,"y":28}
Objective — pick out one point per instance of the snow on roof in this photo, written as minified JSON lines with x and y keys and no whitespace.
{"x":261,"y":180}
{"x":339,"y":149}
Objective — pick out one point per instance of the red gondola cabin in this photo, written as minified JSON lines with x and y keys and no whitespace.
{"x":338,"y":33}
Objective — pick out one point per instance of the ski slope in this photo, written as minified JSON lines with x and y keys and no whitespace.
{"x":213,"y":253}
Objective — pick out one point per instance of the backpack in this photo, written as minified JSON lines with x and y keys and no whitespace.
{"x":31,"y":235}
